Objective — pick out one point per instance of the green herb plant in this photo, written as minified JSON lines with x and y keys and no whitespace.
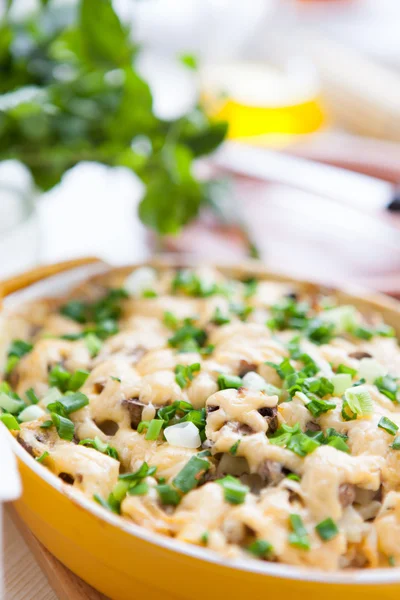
{"x":70,"y":92}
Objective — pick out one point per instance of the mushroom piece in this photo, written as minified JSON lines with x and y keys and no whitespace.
{"x":271,"y":416}
{"x":135,"y":409}
{"x":271,"y":471}
{"x":347,"y":494}
{"x":359,"y":354}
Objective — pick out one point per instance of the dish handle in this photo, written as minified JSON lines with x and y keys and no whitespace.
{"x":18,"y":282}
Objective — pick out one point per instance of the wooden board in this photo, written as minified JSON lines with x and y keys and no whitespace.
{"x":65,"y":584}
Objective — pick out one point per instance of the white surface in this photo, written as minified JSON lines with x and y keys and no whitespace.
{"x":93,"y":213}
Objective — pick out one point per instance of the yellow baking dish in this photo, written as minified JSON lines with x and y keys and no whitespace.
{"x":125,"y":561}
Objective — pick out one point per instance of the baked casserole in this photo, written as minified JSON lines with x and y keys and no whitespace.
{"x":255,"y":418}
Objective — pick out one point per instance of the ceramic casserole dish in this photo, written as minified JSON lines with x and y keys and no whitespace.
{"x":123,"y":560}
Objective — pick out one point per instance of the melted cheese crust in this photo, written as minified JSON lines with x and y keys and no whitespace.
{"x":133,"y":375}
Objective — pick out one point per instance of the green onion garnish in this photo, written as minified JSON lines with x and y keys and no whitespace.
{"x":204,"y":538}
{"x":318,"y":406}
{"x":106,"y":504}
{"x":65,"y":427}
{"x":233,"y":449}
{"x":30,"y":394}
{"x":141,"y":473}
{"x":229,"y":381}
{"x":219,"y":318}
{"x":68,"y":404}
{"x":387,"y":385}
{"x":327,"y":529}
{"x":299,"y":537}
{"x":184,"y":373}
{"x":9,"y":421}
{"x":93,"y":344}
{"x":396,"y":443}
{"x":234,"y":491}
{"x":168,"y":495}
{"x":100,"y":446}
{"x":42,"y":457}
{"x":189,"y":477}
{"x":154,"y":428}
{"x":388,"y":425}
{"x":260,"y":548}
{"x":359,"y":401}
{"x":343,"y":369}
{"x":17,"y":349}
{"x":77,"y":380}
{"x":140,"y":489}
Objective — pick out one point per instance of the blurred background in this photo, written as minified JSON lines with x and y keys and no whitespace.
{"x":219,"y":128}
{"x":202,"y":126}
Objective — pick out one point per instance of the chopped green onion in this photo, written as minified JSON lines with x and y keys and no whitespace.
{"x":387,"y":386}
{"x":392,"y":561}
{"x":17,"y":349}
{"x":42,"y":457}
{"x":250,"y":289}
{"x":359,"y":401}
{"x":233,"y":449}
{"x":234,"y":491}
{"x":293,"y":477}
{"x":115,"y":378}
{"x":299,"y":537}
{"x":59,"y":377}
{"x":338,"y":443}
{"x":341,"y":382}
{"x":168,"y":495}
{"x":141,"y":473}
{"x":30,"y":394}
{"x":170,"y":320}
{"x":385,"y":330}
{"x":364,"y":333}
{"x":139,"y":489}
{"x":10,"y":404}
{"x":9,"y":421}
{"x":343,"y":369}
{"x":100,"y":446}
{"x":31,"y":413}
{"x":77,"y":380}
{"x":205,"y":537}
{"x":118,"y":493}
{"x":149,"y":294}
{"x":184,"y":373}
{"x":93,"y":344}
{"x":327,"y":530}
{"x":154,"y":428}
{"x":188,"y":338}
{"x":302,"y":444}
{"x":68,"y":404}
{"x":46,"y":424}
{"x":318,"y":406}
{"x":342,"y":317}
{"x":319,"y":332}
{"x":396,"y":443}
{"x":229,"y":381}
{"x":105,"y":504}
{"x":11,"y":363}
{"x":260,"y":548}
{"x":65,"y":427}
{"x":142,"y":426}
{"x":219,"y":318}
{"x":189,"y":477}
{"x":388,"y":425}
